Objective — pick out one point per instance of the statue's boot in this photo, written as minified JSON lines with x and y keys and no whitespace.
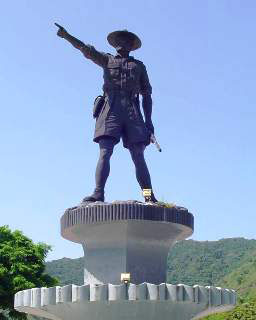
{"x":98,"y":195}
{"x":151,"y":199}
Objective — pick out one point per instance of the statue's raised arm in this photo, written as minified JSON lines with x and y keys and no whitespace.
{"x":88,"y":51}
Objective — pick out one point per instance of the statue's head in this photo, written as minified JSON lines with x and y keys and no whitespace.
{"x":124,"y":41}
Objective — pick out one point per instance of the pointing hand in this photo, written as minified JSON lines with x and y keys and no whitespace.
{"x":61,"y":32}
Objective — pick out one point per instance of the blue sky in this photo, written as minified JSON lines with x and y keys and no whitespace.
{"x":200,"y":57}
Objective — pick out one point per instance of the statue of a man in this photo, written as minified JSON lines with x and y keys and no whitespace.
{"x":120,"y":116}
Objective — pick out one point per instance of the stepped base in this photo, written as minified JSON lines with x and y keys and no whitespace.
{"x":133,"y":302}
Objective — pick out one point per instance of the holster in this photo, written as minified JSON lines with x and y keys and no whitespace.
{"x":98,"y":105}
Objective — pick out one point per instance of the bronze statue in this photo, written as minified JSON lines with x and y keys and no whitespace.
{"x":117,"y":112}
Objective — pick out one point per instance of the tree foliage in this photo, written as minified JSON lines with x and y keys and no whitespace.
{"x":22,"y":266}
{"x":244,"y":311}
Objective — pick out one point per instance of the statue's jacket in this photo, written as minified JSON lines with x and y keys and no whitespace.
{"x":124,"y":80}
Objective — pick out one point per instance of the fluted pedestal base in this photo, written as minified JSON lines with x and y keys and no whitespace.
{"x":134,"y":302}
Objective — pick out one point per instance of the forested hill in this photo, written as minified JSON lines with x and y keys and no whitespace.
{"x":207,"y":262}
{"x":243,"y":278}
{"x":68,"y":271}
{"x":190,"y":262}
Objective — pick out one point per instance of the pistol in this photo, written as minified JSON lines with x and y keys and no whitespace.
{"x":153,"y":140}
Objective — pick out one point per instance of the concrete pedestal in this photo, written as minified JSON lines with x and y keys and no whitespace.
{"x":126,"y":237}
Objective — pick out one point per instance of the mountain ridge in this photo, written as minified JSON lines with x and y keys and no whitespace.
{"x":229,"y":263}
{"x":189,"y":261}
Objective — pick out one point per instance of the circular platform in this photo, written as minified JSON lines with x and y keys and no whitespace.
{"x":123,"y":211}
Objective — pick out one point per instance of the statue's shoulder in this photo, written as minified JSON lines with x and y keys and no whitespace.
{"x":139,"y":62}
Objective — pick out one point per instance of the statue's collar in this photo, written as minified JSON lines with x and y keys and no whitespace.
{"x":118,"y":56}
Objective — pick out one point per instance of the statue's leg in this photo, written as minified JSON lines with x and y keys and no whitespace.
{"x":106,"y":145}
{"x":142,"y":173}
{"x":103,"y":166}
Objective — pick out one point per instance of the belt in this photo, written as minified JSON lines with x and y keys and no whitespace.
{"x":122,"y":91}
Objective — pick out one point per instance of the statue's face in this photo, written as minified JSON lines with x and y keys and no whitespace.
{"x":124,"y":44}
{"x":122,"y":51}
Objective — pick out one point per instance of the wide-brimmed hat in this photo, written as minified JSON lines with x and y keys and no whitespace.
{"x":115,"y":35}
